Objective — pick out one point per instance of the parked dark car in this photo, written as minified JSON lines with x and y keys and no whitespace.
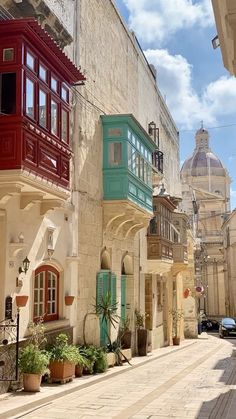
{"x":227,"y":327}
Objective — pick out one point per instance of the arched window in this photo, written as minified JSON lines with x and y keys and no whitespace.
{"x":46,"y":293}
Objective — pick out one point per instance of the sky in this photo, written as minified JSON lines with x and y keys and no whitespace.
{"x":176,"y":36}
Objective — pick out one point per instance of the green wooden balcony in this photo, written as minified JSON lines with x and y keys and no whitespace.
{"x":127,"y":172}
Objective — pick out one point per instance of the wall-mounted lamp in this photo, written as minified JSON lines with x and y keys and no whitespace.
{"x":25,"y":266}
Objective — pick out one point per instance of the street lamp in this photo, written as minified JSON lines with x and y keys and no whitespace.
{"x":25,"y":266}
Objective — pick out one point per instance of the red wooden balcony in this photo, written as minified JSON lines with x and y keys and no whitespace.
{"x":35,"y":81}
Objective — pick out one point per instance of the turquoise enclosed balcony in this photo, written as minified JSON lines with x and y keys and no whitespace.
{"x":127,"y":174}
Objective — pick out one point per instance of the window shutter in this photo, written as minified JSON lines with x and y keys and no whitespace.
{"x":113,"y":288}
{"x":123,"y":298}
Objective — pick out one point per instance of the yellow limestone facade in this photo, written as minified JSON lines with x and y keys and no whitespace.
{"x":225,"y":12}
{"x":72,"y":233}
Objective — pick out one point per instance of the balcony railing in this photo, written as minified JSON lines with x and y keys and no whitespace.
{"x":180,"y":253}
{"x":159,"y":248}
{"x":157,"y":160}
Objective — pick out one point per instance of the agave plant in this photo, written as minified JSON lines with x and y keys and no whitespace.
{"x":107,"y":309}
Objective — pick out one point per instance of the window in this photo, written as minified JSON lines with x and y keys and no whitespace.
{"x":64,"y":125}
{"x":54,"y":117}
{"x":8,"y":54}
{"x":30,"y":60}
{"x":42,"y":73}
{"x":153,"y":226}
{"x":7,"y":93}
{"x":42,"y":108}
{"x":46,"y":286}
{"x":65,"y":94}
{"x":54,"y":84}
{"x":30,"y":98}
{"x":114,"y":154}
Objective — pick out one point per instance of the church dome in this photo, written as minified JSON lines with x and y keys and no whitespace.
{"x":203,"y":161}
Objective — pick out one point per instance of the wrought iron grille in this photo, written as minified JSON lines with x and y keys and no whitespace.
{"x":9,"y":349}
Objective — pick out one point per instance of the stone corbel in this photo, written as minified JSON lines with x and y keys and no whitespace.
{"x":49,"y":204}
{"x":7,"y":192}
{"x":28,"y":199}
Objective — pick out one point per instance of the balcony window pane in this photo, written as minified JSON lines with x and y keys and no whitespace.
{"x":42,"y":73}
{"x":129,"y":157}
{"x":133,"y":160}
{"x":30,"y":95}
{"x":141,"y":168}
{"x":137,"y":164}
{"x":64,"y":126}
{"x":114,"y":154}
{"x":153,"y":226}
{"x":64,"y":94}
{"x":30,"y":61}
{"x":54,"y":117}
{"x":42,"y":108}
{"x":54,"y":84}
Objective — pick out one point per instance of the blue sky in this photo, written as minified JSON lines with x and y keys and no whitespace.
{"x":176,"y":37}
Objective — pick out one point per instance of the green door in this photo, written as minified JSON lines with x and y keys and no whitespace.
{"x":123,"y":298}
{"x":106,"y":282}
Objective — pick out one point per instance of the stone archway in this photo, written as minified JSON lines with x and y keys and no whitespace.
{"x":105,"y":259}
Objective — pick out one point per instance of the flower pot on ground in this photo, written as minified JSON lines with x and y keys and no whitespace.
{"x":81,"y":363}
{"x":125,"y":334}
{"x":142,"y":334}
{"x":100,"y":364}
{"x":177,"y":315}
{"x":176,"y":340}
{"x":33,"y":363}
{"x":142,"y":342}
{"x":63,"y":358}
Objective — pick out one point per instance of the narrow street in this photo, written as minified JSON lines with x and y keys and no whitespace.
{"x":198,"y":381}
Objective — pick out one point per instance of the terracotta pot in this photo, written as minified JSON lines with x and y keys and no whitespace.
{"x":176,"y":340}
{"x":21,"y":300}
{"x":78,"y":370}
{"x":142,"y":335}
{"x":31,"y":382}
{"x":61,"y":370}
{"x":69,"y":300}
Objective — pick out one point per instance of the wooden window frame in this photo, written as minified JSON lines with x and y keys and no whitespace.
{"x":46,"y":269}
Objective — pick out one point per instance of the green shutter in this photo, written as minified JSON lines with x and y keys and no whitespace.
{"x":123,"y":298}
{"x":113,"y":288}
{"x":103,"y":279}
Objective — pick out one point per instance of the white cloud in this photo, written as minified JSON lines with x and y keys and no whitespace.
{"x":157,"y":20}
{"x":232,"y":193}
{"x":174,"y":79}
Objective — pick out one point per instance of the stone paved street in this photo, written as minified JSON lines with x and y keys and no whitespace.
{"x":198,"y":381}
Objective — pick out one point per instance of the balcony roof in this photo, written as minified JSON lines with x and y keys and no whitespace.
{"x":40,"y":38}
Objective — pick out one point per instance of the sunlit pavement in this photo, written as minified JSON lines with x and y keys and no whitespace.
{"x":197,"y":380}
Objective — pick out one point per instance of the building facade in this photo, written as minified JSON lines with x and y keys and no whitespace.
{"x":206,"y":198}
{"x":77,"y":173}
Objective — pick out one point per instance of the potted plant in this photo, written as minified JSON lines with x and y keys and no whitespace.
{"x":100,"y":364}
{"x":82,"y":362}
{"x":63,"y":358}
{"x":142,"y":333}
{"x":125,"y":333}
{"x":33,"y":363}
{"x":89,"y":352}
{"x":106,"y":309}
{"x":176,"y":314}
